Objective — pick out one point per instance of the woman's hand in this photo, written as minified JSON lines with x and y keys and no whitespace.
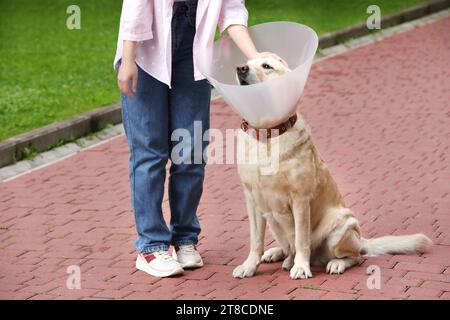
{"x":128,"y":71}
{"x":270,"y":54}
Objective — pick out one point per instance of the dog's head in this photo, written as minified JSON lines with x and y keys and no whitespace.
{"x":259,"y":70}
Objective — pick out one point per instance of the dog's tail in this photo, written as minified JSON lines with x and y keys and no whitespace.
{"x":414,"y":243}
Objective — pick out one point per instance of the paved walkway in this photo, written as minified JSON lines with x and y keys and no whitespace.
{"x":380,"y":116}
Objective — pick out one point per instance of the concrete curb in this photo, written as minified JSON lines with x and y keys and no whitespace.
{"x":40,"y":139}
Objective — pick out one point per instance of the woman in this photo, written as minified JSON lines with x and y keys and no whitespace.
{"x":162,"y":90}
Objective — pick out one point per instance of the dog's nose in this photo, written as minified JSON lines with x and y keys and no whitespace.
{"x":242,"y":69}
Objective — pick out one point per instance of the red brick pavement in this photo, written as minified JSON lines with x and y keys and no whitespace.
{"x":380,"y":118}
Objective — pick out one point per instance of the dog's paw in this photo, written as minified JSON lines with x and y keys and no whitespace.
{"x":336,"y":266}
{"x":244,"y":271}
{"x":288,"y":263}
{"x":301,"y":271}
{"x":273,"y":255}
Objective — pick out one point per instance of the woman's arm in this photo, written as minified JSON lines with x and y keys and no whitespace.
{"x":135,"y":25}
{"x":233,"y":19}
{"x":239,"y":34}
{"x":128,"y":70}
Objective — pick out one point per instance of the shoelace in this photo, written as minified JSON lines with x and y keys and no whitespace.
{"x":164,"y":255}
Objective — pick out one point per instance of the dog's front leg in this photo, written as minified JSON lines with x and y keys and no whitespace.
{"x":257,"y":232}
{"x":302,"y":224}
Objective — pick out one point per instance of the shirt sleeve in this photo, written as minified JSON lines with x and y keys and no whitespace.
{"x":232,"y":12}
{"x":136,"y":20}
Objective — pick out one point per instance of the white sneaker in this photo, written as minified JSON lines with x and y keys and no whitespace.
{"x":187,"y":256}
{"x":158,"y":264}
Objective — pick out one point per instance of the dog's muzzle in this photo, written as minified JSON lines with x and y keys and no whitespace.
{"x":242,"y":72}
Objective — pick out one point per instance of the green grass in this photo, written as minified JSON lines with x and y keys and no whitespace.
{"x":49,"y":73}
{"x":322,"y":15}
{"x":307,"y":286}
{"x":29,"y":153}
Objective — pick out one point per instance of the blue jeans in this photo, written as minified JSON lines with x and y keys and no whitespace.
{"x":149,"y":119}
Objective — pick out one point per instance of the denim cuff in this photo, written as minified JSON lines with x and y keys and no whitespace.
{"x":162,"y":247}
{"x":183,"y":242}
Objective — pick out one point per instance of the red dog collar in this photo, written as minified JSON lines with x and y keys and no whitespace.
{"x":271,"y":132}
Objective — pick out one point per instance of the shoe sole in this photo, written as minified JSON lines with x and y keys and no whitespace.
{"x":160,"y":274}
{"x":192,"y":266}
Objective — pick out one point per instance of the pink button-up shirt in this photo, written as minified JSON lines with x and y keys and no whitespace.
{"x":149,"y":23}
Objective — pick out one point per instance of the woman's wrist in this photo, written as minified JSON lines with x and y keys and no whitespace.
{"x":239,"y":34}
{"x":253,"y":55}
{"x":129,"y":51}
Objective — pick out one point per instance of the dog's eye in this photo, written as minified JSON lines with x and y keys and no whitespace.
{"x":266,"y":66}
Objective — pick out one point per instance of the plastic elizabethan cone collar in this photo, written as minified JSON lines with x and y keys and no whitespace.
{"x":270,"y":102}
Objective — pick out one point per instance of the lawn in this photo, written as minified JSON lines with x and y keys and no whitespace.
{"x":49,"y":73}
{"x":322,"y":15}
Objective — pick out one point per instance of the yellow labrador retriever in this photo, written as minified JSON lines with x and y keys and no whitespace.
{"x":300,"y":201}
